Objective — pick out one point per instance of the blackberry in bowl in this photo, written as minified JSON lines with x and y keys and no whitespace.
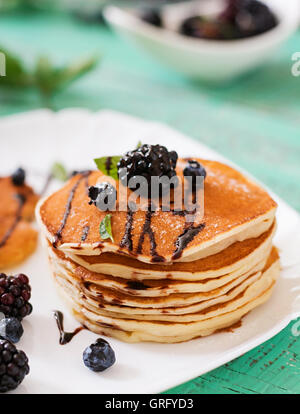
{"x":147,"y":161}
{"x":209,"y":60}
{"x":151,"y":16}
{"x":240,"y":19}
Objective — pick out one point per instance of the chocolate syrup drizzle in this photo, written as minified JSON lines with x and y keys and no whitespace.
{"x":127,"y":238}
{"x":185,"y":238}
{"x":136,"y":285}
{"x":108,"y":164}
{"x":69,"y":207}
{"x":148,"y":230}
{"x":65,"y":337}
{"x":21,"y":200}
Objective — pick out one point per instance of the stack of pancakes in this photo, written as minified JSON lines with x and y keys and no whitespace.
{"x":163,"y":279}
{"x":18,"y":239}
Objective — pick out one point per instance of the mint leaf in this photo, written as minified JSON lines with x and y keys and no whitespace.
{"x":105,"y":228}
{"x":50,"y":79}
{"x":108,"y":165}
{"x":59,"y":172}
{"x":16,"y":73}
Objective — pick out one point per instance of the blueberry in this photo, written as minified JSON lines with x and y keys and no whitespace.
{"x":18,"y":177}
{"x":194,"y":169}
{"x":103,"y":196}
{"x":11,"y":329}
{"x":151,"y":16}
{"x":99,"y":356}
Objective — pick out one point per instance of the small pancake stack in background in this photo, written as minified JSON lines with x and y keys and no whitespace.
{"x":18,"y":239}
{"x":162,"y":278}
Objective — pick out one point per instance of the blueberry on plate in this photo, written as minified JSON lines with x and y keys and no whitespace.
{"x":99,"y":356}
{"x":18,"y":177}
{"x":11,"y":329}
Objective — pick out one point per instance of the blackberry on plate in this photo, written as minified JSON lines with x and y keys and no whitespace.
{"x":13,"y":366}
{"x":147,"y":161}
{"x":151,"y":16}
{"x":99,"y":356}
{"x":18,"y":177}
{"x":103,"y":196}
{"x":15,"y":293}
{"x":11,"y":329}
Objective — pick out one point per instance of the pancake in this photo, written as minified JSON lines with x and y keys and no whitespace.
{"x":186,"y":303}
{"x":148,"y":287}
{"x":204,"y":322}
{"x":236,"y":209}
{"x":18,"y":239}
{"x":161,"y":277}
{"x":237,"y":258}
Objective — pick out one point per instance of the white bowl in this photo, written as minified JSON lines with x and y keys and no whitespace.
{"x":208,"y":60}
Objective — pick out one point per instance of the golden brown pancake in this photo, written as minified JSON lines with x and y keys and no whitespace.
{"x":235,"y":209}
{"x":163,"y":278}
{"x":231,"y":258}
{"x":17,"y":237}
{"x":134,"y":327}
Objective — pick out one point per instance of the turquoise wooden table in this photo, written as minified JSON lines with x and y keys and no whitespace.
{"x":255,"y":122}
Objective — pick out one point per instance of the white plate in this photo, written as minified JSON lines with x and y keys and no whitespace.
{"x":75,"y":137}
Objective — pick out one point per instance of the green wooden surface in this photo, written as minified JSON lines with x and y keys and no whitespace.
{"x":254,"y":121}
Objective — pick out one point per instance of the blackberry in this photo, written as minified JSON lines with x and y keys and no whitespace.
{"x":15,"y":293}
{"x":248,"y":17}
{"x":240,"y":19}
{"x":255,"y":18}
{"x":11,"y":329}
{"x":151,"y":16}
{"x":147,"y":161}
{"x":13,"y":366}
{"x":18,"y":177}
{"x":103,"y":196}
{"x":99,"y":356}
{"x":201,"y":28}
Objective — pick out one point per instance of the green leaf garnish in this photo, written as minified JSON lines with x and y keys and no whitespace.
{"x":105,"y":228}
{"x":50,"y":79}
{"x":16,"y":74}
{"x":59,"y":172}
{"x":139,"y":144}
{"x":43,"y":75}
{"x":108,"y":165}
